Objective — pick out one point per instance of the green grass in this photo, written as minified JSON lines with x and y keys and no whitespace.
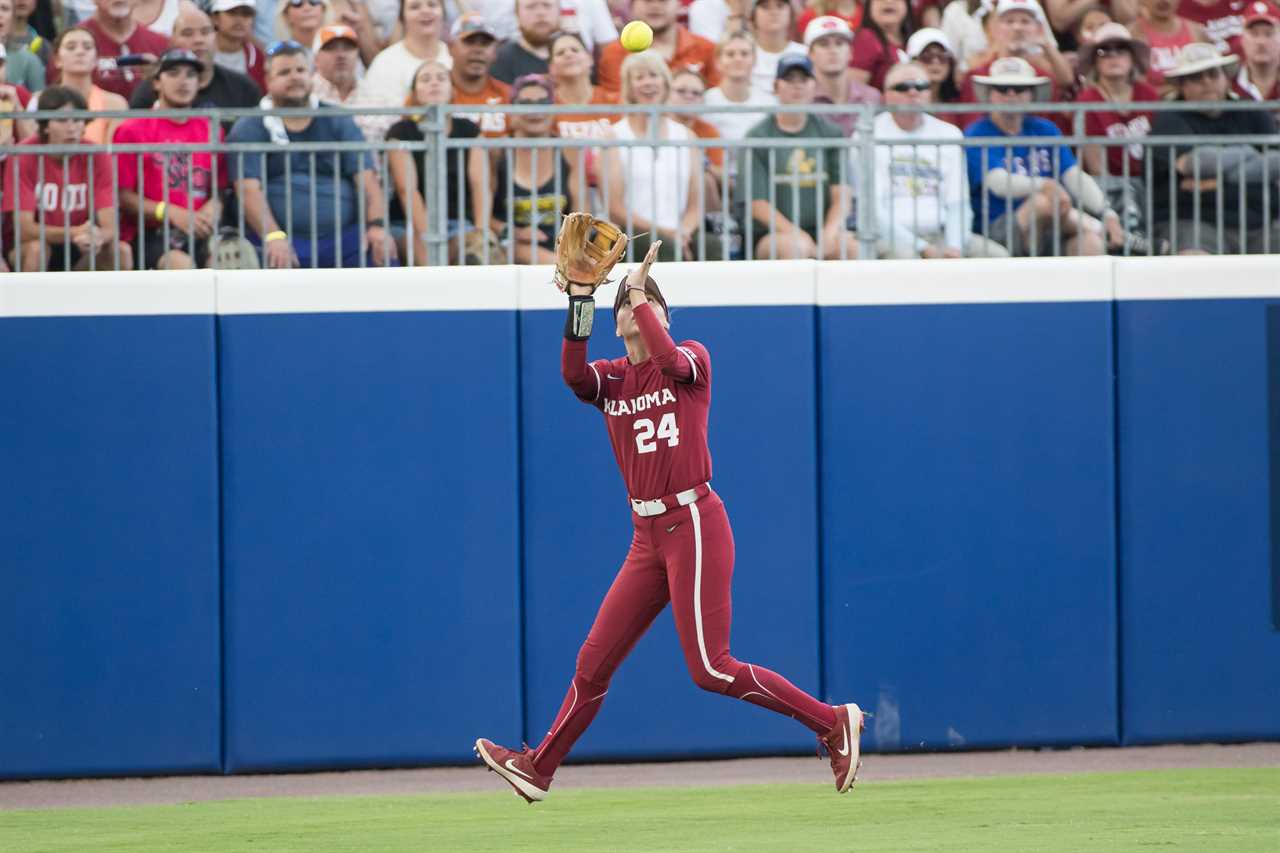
{"x":1201,"y":810}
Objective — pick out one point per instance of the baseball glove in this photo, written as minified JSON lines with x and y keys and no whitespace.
{"x":586,"y":250}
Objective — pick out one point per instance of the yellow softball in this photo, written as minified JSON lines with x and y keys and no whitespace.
{"x":636,"y":36}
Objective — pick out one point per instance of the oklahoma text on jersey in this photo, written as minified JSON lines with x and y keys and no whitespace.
{"x":638,"y":404}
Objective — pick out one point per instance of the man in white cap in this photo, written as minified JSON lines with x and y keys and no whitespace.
{"x":235,"y":48}
{"x":1259,"y":75}
{"x":1021,"y":30}
{"x":1025,"y":197}
{"x":922,"y":191}
{"x":830,"y":44}
{"x":1214,"y":176}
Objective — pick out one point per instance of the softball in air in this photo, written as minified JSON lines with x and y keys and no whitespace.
{"x":636,"y":36}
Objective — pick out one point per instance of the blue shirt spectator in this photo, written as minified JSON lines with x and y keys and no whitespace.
{"x":1040,"y":161}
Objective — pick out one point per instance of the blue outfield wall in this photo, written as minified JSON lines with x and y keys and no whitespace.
{"x":1200,"y":625}
{"x":263,"y":521}
{"x":109,"y":621}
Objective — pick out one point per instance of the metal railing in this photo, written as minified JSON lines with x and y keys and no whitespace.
{"x":1215,"y":203}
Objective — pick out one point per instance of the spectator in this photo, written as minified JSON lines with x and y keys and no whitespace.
{"x":1259,"y":76}
{"x":75,"y":56}
{"x":156,"y":15}
{"x":678,"y":47}
{"x":337,"y":60}
{"x":736,"y":58}
{"x":170,"y":195}
{"x":24,"y":68}
{"x":391,"y":73}
{"x":570,"y":69}
{"x":13,"y":99}
{"x":1214,"y":177}
{"x":1166,"y":32}
{"x":75,"y":206}
{"x":530,"y":53}
{"x":372,"y":34}
{"x":849,"y":11}
{"x":300,"y":21}
{"x":771,"y":23}
{"x":272,"y":200}
{"x":922,"y":192}
{"x":688,"y":89}
{"x":881,"y":42}
{"x":1021,"y":31}
{"x":23,"y":35}
{"x":802,"y":179}
{"x":714,"y":19}
{"x":830,"y":43}
{"x":543,"y":182}
{"x":219,"y":87}
{"x":235,"y":49}
{"x":1018,"y":192}
{"x":431,"y":86}
{"x":1112,"y":66}
{"x":1066,"y":16}
{"x":964,"y":22}
{"x":654,"y":191}
{"x":118,"y":37}
{"x":474,"y":48}
{"x":1221,"y":19}
{"x":931,"y":50}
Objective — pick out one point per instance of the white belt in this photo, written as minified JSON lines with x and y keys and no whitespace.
{"x":645,"y":509}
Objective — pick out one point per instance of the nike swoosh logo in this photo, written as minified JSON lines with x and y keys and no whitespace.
{"x":673,"y":527}
{"x":510,"y":765}
{"x":844,"y":751}
{"x":611,"y":376}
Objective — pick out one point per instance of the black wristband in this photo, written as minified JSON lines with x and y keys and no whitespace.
{"x":374,"y":223}
{"x":582,"y":310}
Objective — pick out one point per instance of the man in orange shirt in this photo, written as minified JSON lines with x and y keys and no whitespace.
{"x":674,"y":43}
{"x":473,"y":46}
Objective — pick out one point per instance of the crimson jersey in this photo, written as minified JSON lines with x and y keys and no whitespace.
{"x":655,"y":411}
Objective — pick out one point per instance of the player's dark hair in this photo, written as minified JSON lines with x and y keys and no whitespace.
{"x":55,"y":98}
{"x":650,"y":289}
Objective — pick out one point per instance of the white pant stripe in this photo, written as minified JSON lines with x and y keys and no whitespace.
{"x":697,"y":593}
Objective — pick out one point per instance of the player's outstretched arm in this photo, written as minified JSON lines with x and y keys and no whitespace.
{"x":662,"y":349}
{"x":581,"y":377}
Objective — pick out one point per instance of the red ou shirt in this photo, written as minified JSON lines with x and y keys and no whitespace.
{"x":874,"y":56}
{"x":60,"y":186}
{"x":1120,"y":124}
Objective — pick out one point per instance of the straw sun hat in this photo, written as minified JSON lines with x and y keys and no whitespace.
{"x":1011,"y":71}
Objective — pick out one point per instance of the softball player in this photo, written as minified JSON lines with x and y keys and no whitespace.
{"x":655,"y":402}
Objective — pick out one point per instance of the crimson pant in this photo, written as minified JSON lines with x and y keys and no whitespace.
{"x":683,"y":557}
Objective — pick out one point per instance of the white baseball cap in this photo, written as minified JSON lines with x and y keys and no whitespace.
{"x":922,"y":38}
{"x":1031,"y":7}
{"x":827,"y":25}
{"x":228,"y":5}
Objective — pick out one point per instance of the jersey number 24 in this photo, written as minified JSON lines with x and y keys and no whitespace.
{"x":645,"y":433}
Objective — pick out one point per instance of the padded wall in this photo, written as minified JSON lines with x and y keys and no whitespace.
{"x":109,"y":633}
{"x":1201,"y":648}
{"x":578,"y":525}
{"x":371,"y":537}
{"x":967,"y":518}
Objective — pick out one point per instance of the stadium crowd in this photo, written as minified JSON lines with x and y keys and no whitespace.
{"x":170,"y":210}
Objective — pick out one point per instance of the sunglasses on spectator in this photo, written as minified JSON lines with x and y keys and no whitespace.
{"x":911,"y":86}
{"x":296,"y":3}
{"x":284,"y":46}
{"x":1111,"y":49}
{"x":931,"y":57}
{"x":532,"y":102}
{"x":1201,"y":76}
{"x":1011,"y":90}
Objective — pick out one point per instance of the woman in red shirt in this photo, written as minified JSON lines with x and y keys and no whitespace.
{"x":1112,"y":65}
{"x":882,"y":41}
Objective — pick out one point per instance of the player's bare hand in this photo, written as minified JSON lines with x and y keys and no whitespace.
{"x":637,"y":276}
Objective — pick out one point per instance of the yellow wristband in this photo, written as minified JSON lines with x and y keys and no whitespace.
{"x":275,"y":235}
{"x":159,"y":214}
